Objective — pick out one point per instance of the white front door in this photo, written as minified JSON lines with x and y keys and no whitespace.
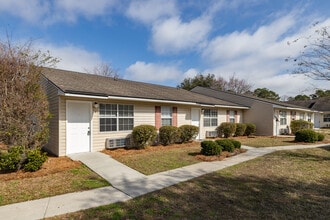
{"x":195,"y":119}
{"x":78,"y":127}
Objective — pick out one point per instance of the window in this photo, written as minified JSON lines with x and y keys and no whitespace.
{"x":326,"y":118}
{"x":210,"y":118}
{"x":309,"y":117}
{"x":232,"y":116}
{"x":283,"y":118}
{"x":166,"y":115}
{"x":302,"y":116}
{"x":293,"y":115}
{"x":115,"y":117}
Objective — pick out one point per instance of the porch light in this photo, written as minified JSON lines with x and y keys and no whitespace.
{"x":96,"y":105}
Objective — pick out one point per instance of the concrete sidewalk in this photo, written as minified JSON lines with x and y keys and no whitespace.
{"x":126,"y":183}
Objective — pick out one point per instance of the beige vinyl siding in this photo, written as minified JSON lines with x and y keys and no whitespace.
{"x":262,"y":115}
{"x":222,"y":117}
{"x":53,"y":99}
{"x":62,"y":126}
{"x":184,"y":115}
{"x":144,"y":113}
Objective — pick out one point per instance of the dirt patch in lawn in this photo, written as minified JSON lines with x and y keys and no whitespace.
{"x":51,"y":166}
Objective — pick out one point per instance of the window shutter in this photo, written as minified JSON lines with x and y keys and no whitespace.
{"x":228,"y":117}
{"x":236,"y":117}
{"x":158,"y":120}
{"x":175,"y":116}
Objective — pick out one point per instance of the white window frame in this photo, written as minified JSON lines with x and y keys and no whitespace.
{"x":302,"y":116}
{"x":210,"y":118}
{"x":120,"y":115}
{"x":166,"y":115}
{"x":326,"y":118}
{"x":232,"y":116}
{"x":309,"y":117}
{"x":283,"y":118}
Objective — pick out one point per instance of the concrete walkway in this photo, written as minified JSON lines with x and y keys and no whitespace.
{"x":126,"y":183}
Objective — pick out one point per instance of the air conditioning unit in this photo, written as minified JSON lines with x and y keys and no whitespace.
{"x":284,"y":131}
{"x":111,"y":143}
{"x":211,"y":134}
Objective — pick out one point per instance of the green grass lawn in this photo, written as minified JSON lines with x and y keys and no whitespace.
{"x":157,"y":159}
{"x":283,"y":185}
{"x":161,"y":158}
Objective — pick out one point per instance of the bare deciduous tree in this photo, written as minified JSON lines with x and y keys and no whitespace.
{"x":234,"y":84}
{"x":105,"y":69}
{"x":314,"y":60}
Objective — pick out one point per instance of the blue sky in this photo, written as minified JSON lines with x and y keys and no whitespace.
{"x":164,"y":41}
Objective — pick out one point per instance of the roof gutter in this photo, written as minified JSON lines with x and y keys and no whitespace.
{"x":84,"y":96}
{"x":291,"y":108}
{"x":230,"y":106}
{"x":148,"y":100}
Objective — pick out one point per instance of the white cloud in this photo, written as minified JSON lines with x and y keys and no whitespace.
{"x":72,"y":57}
{"x":265,"y":41}
{"x":70,"y":10}
{"x":259,"y":57}
{"x":48,"y":12}
{"x":31,"y":11}
{"x":151,"y":11}
{"x":152,"y":72}
{"x":173,"y":35}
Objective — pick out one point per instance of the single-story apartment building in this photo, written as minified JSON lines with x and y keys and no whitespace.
{"x":272,"y":118}
{"x":322,"y":105}
{"x":90,"y":112}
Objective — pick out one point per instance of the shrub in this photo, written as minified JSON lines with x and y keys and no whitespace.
{"x":12,"y":160}
{"x":297,"y":125}
{"x":210,"y":148}
{"x":236,"y":143}
{"x":168,"y":135}
{"x":226,"y":129}
{"x":240,"y":129}
{"x":144,"y":135}
{"x":188,"y":132}
{"x":306,"y":135}
{"x":226,"y":145}
{"x":320,"y":137}
{"x":35,"y":159}
{"x":250,"y":129}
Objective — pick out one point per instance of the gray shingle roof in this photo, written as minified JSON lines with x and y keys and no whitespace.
{"x":320,"y":104}
{"x":237,"y":98}
{"x":89,"y":84}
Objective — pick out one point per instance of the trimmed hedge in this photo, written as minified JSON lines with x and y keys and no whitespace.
{"x":188,"y":133}
{"x":236,"y":143}
{"x":144,"y":135}
{"x":306,"y":135}
{"x":168,"y":135}
{"x":226,"y":145}
{"x":17,"y":158}
{"x":297,"y":125}
{"x":250,"y":129}
{"x":210,"y":148}
{"x":35,"y":159}
{"x":240,"y":129}
{"x":320,"y":137}
{"x":12,"y":160}
{"x":226,"y":129}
